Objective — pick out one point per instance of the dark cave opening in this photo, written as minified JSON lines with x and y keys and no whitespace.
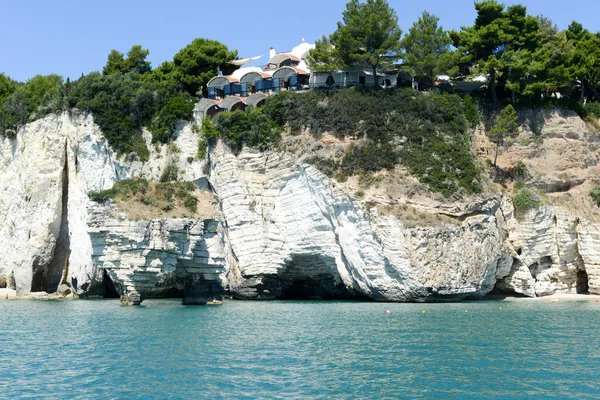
{"x":309,"y":277}
{"x":304,"y":288}
{"x":109,"y":289}
{"x":582,"y":282}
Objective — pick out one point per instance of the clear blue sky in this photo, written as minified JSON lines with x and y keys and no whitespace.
{"x":70,"y":37}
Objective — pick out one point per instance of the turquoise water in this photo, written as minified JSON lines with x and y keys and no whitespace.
{"x":100,"y":350}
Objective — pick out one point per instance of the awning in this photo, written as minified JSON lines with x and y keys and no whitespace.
{"x":243,"y":61}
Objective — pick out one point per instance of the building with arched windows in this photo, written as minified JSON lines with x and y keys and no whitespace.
{"x":251,"y":85}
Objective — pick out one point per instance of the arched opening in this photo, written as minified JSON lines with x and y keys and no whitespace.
{"x":404,"y":79}
{"x":330,"y":81}
{"x":426,"y":83}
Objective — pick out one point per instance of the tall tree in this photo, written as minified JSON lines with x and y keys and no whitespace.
{"x":425,"y":45}
{"x":324,"y":58}
{"x":135,"y":61}
{"x":584,"y":60}
{"x":197,"y":63}
{"x":546,"y":66}
{"x":368,"y":35}
{"x":115,"y":63}
{"x":506,"y":126}
{"x":495,"y":43}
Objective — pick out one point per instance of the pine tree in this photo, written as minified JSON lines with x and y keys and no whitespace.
{"x":425,"y":45}
{"x":368,"y":36}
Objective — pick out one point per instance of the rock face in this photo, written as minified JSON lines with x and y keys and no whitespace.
{"x":46,"y":173}
{"x":144,"y":258}
{"x":285,"y":231}
{"x":290,"y":228}
{"x":553,"y":252}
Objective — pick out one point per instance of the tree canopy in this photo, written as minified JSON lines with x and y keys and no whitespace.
{"x":324,"y":57}
{"x":135,"y":61}
{"x":368,"y":35}
{"x":425,"y":46}
{"x":125,"y":97}
{"x":197,"y":63}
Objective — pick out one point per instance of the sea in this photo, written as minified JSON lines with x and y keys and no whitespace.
{"x":97,"y":349}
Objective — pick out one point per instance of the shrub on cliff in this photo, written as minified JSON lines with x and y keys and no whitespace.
{"x":426,"y":132}
{"x":592,"y":108}
{"x":525,"y":199}
{"x":252,"y":127}
{"x":164,"y":196}
{"x":595,"y":194}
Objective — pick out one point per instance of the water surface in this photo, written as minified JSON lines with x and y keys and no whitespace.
{"x":100,"y":350}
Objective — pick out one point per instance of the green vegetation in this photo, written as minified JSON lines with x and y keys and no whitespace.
{"x":254,"y":127}
{"x":521,"y":171}
{"x":506,"y":126}
{"x":427,"y":46}
{"x":125,"y":97}
{"x":592,"y":109}
{"x":368,"y":35}
{"x":526,"y":59}
{"x":595,"y":194}
{"x":165,"y":196}
{"x":428,"y":133}
{"x":328,"y":166}
{"x":525,"y":199}
{"x":170,"y":174}
{"x":324,"y":58}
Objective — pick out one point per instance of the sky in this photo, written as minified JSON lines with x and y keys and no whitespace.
{"x":71,"y":37}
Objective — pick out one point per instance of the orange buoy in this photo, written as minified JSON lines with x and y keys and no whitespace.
{"x":387,"y":312}
{"x":596,"y":299}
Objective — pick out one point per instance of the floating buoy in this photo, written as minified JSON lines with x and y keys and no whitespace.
{"x":554,"y":300}
{"x":387,"y":312}
{"x":466,"y":310}
{"x":424,"y":310}
{"x":596,"y":299}
{"x":500,"y":308}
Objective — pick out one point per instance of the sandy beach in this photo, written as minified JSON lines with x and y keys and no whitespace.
{"x":7,"y":293}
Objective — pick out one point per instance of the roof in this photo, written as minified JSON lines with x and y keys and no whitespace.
{"x":281,"y":57}
{"x":238,"y":73}
{"x":255,"y":98}
{"x":222,"y":80}
{"x":253,"y":76}
{"x":302,"y":49}
{"x":285,"y":72}
{"x":229,"y":102}
{"x":205,"y":104}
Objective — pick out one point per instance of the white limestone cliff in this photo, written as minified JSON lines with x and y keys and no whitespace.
{"x":285,"y":230}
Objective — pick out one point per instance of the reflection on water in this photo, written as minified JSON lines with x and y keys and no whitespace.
{"x":100,"y":350}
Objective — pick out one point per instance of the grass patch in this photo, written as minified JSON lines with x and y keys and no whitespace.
{"x":595,"y":195}
{"x":177,"y":198}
